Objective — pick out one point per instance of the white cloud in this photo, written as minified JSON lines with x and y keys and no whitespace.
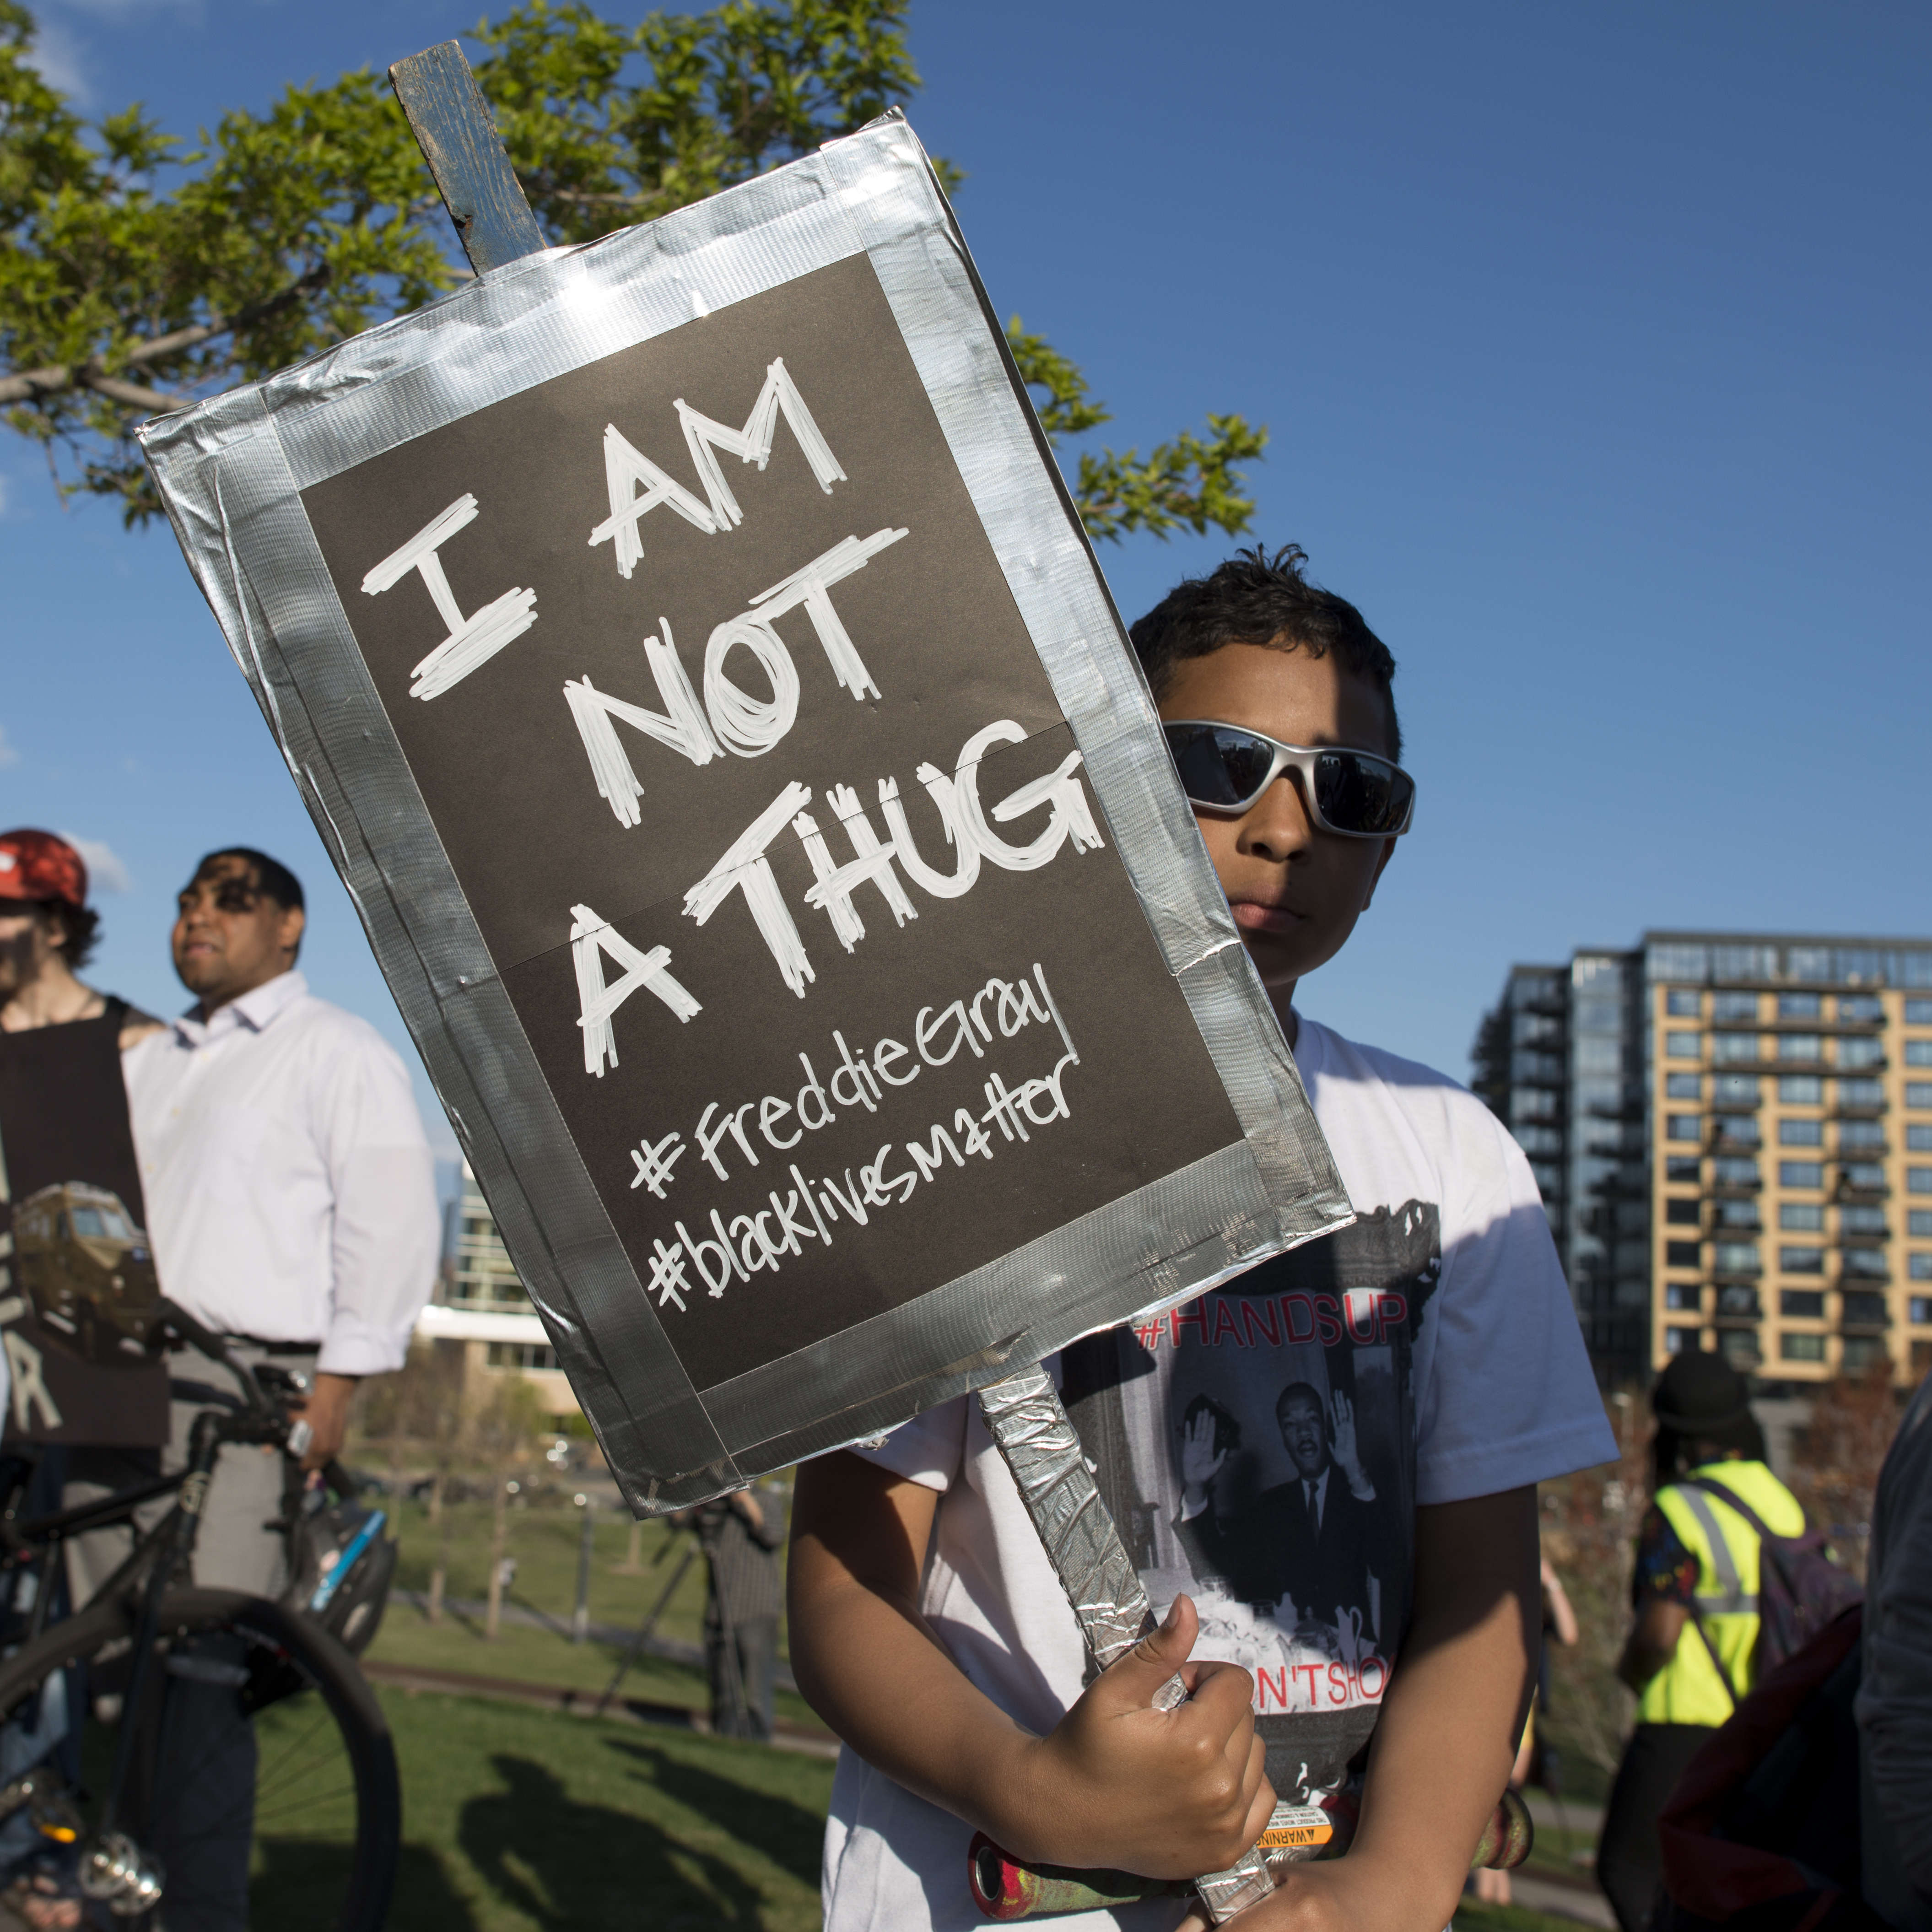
{"x":56,"y":54}
{"x":105,"y":871}
{"x":9,"y":754}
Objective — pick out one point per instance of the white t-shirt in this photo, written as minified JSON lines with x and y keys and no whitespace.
{"x":1263,"y":1449}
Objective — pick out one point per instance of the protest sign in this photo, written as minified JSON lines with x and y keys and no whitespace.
{"x":696,"y":668}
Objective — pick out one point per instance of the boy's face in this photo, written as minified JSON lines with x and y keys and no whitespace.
{"x":1295,"y":891}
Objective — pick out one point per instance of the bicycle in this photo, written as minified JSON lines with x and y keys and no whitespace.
{"x":98,"y":1718}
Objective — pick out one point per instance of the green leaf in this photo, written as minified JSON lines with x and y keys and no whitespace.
{"x":136,"y":272}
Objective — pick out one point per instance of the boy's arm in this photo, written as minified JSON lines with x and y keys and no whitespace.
{"x":1447,"y":1736}
{"x":1168,"y":1794}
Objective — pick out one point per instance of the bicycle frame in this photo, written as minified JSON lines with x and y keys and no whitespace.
{"x":163,"y":1554}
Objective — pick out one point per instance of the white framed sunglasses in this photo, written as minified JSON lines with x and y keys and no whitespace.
{"x":1228,"y":767}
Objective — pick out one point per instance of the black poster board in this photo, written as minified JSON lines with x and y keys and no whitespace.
{"x":689,"y":653}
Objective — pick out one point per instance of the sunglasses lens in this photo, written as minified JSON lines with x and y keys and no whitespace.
{"x":1359,"y":794}
{"x":1219,"y":766}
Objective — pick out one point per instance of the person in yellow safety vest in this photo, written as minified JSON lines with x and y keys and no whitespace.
{"x":1689,"y":1655}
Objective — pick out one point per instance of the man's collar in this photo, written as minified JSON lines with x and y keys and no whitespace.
{"x":255,"y":1009}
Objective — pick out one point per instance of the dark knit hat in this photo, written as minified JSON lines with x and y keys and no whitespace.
{"x":1702,"y":1397}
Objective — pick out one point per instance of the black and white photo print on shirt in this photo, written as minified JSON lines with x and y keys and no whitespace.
{"x":1257,"y":1448}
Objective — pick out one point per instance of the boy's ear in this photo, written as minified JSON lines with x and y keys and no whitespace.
{"x":1381,"y":866}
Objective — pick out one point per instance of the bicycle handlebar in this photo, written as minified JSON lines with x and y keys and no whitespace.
{"x":215,"y":1348}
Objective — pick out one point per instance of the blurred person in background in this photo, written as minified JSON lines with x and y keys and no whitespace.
{"x":1894,"y":1699}
{"x":1689,"y":1655}
{"x":741,"y":1538}
{"x":67,"y":1155}
{"x":291,"y":1198}
{"x":47,"y":931}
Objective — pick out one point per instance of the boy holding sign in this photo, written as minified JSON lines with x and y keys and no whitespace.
{"x":1324,"y":1471}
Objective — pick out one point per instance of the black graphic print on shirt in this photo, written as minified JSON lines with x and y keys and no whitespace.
{"x":1257,"y":1448}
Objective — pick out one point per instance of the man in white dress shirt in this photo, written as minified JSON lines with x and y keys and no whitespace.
{"x":291,"y":1201}
{"x":291,"y":1192}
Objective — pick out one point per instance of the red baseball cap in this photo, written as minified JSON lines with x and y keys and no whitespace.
{"x":40,"y":865}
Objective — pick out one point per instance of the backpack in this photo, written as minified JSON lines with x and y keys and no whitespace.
{"x":1762,"y":1832}
{"x":1801,"y":1588}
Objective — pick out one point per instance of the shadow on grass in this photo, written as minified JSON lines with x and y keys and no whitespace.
{"x":566,"y":1865}
{"x":790,"y":1834}
{"x":284,"y":1892}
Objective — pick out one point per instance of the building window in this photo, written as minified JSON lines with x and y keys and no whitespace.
{"x":1853,"y":1054}
{"x":1738,"y":1214}
{"x":1802,"y":1348}
{"x":1683,"y":1045}
{"x":1918,"y":1092}
{"x":1682,"y":1294}
{"x":1686,"y":1002}
{"x":1801,"y":1261}
{"x":1803,"y":1304}
{"x":1862,"y":1221}
{"x":1740,"y":1347}
{"x":1735,"y":1257}
{"x":1919,"y":1311}
{"x":1734,"y":1089}
{"x":1735,"y":1170}
{"x":1800,"y":1006}
{"x":1801,"y":1133}
{"x":1534,"y":1103}
{"x":1919,"y":1268}
{"x":1864,"y":1351}
{"x":1735,"y":1005}
{"x":1801,"y":1089}
{"x":1800,"y":1046}
{"x":1680,"y":1341}
{"x":1683,"y":1127}
{"x":1918,"y":1180}
{"x":1740,"y":1129}
{"x":1683,"y":1087}
{"x":1919,"y":1053}
{"x":1802,"y":1217}
{"x":1861,"y":1133}
{"x":1865,"y":1310}
{"x":1861,"y":1092}
{"x":1868,"y":1176}
{"x":1801,"y":1173}
{"x":1868,"y":1263}
{"x":1729,"y":1049}
{"x":1734,"y":1300}
{"x":1918,"y":1013}
{"x":525,"y":1355}
{"x":1537,"y":1140}
{"x":1548,"y":1177}
{"x":1859,"y":1009}
{"x":1918,"y":1140}
{"x":1682,"y":1254}
{"x":1684,"y":1168}
{"x":1919,"y":1223}
{"x":1683,"y":1213}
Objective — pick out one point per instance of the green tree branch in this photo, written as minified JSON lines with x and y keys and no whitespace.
{"x":137,"y":274}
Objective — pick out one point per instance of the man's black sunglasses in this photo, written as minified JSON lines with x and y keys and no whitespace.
{"x":1227,"y":768}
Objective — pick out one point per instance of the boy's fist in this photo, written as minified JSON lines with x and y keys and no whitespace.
{"x":1167,"y":1794}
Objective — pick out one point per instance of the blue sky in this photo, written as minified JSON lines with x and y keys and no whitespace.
{"x":1593,"y":342}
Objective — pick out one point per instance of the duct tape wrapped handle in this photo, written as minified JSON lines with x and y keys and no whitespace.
{"x":1007,"y":1888}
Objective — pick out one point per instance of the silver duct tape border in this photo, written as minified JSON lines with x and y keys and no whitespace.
{"x":1042,"y":1448}
{"x":230,"y":472}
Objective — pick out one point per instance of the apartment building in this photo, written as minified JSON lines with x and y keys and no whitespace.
{"x":488,"y":1314}
{"x":1733,"y":1136}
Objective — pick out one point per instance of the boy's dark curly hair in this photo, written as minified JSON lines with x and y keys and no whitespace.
{"x":80,"y":926}
{"x":1254,"y":598}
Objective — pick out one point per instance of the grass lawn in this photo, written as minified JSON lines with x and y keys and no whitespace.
{"x":517,"y":1819}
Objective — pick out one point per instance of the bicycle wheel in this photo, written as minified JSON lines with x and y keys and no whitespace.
{"x":263,"y":1781}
